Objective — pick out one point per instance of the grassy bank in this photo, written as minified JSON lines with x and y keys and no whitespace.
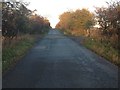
{"x":12,"y":53}
{"x":103,"y":49}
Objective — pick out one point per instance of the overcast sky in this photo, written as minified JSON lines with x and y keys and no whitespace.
{"x":53,"y":8}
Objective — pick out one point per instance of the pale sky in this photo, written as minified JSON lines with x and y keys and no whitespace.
{"x":53,"y":8}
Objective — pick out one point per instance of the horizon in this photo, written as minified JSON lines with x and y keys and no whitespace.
{"x":51,"y":10}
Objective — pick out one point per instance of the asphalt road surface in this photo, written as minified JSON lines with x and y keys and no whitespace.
{"x":58,"y":62}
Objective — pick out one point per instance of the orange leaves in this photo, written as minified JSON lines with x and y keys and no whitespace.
{"x":76,"y":21}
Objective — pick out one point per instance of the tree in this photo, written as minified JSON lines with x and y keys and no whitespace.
{"x":76,"y":22}
{"x":109,"y":18}
{"x":14,"y":18}
{"x":39,"y":24}
{"x":17,"y":18}
{"x":109,"y":21}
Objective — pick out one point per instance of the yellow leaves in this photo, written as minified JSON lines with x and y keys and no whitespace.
{"x":77,"y":20}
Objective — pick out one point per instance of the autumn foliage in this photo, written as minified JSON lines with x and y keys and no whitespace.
{"x":104,"y":40}
{"x":81,"y":22}
{"x":18,"y":19}
{"x":76,"y":22}
{"x":109,"y":21}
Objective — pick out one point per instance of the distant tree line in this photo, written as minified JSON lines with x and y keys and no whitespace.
{"x":75,"y":22}
{"x":18,"y":19}
{"x":79,"y":21}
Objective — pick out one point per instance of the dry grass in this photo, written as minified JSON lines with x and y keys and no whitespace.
{"x":105,"y":46}
{"x":104,"y":49}
{"x":13,"y":50}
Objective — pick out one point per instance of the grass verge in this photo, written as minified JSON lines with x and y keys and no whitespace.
{"x":103,"y":49}
{"x":11,"y":54}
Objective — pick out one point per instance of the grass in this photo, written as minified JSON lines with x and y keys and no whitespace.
{"x":103,"y":49}
{"x":11,"y":54}
{"x":14,"y":51}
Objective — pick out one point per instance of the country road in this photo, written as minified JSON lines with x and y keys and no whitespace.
{"x":58,"y":62}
